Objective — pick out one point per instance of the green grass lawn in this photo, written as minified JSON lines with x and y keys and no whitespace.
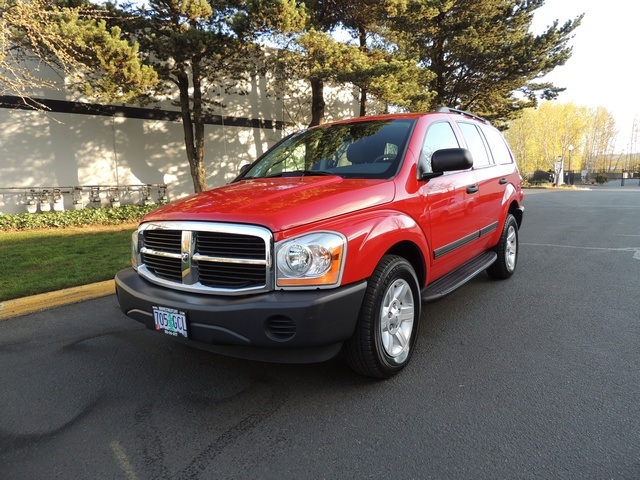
{"x":39,"y":261}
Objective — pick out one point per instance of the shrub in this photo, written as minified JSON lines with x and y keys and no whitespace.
{"x":74,"y":218}
{"x":536,"y":183}
{"x":601,"y":179}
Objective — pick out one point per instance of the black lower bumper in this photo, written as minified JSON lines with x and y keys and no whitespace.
{"x":281,"y":326}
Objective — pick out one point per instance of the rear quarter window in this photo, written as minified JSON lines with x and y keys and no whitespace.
{"x":497,"y":145}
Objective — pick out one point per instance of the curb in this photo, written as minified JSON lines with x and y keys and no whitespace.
{"x":45,"y":301}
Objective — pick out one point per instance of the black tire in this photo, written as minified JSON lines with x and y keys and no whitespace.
{"x":507,"y":250}
{"x":379,"y":347}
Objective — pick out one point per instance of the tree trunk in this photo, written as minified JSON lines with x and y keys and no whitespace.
{"x":362,"y":37}
{"x":191,"y":140}
{"x":317,"y":101}
{"x":198,"y":126}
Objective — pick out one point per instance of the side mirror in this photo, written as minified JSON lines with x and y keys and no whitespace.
{"x":244,"y":168}
{"x":451,"y":159}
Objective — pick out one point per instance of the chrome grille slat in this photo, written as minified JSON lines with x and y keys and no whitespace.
{"x":159,"y":253}
{"x":203,"y":257}
{"x":247,"y":261}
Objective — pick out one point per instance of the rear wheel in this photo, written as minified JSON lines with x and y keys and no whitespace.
{"x":507,"y":250}
{"x":387,"y":328}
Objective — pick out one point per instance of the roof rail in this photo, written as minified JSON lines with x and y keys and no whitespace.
{"x":461,"y":112}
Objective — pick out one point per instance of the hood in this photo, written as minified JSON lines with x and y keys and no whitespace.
{"x":279,"y":203}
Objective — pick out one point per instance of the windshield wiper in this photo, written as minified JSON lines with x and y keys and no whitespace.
{"x":298,"y":173}
{"x":308,"y":173}
{"x":295,"y":173}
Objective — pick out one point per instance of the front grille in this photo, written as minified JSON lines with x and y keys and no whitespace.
{"x":157,"y":243}
{"x":207,"y":257}
{"x":167,"y":241}
{"x":162,"y":267}
{"x":229,"y":246}
{"x":221,"y":275}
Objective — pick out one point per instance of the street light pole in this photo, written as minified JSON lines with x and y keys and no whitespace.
{"x":622,"y":177}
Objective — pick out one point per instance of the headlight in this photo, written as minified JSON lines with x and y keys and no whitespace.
{"x":135,"y":252}
{"x":314,"y":260}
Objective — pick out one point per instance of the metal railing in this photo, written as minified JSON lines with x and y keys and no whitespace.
{"x":46,"y":199}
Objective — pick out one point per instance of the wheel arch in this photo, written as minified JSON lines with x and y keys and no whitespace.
{"x":511,"y":205}
{"x":412,"y":254}
{"x":517,"y":212}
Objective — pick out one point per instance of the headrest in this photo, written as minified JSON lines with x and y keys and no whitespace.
{"x":357,"y":152}
{"x":365,"y":150}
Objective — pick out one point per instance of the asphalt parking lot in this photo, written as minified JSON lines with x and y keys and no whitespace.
{"x":534,"y":377}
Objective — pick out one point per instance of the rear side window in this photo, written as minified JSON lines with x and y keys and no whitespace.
{"x":440,"y":135}
{"x":497,"y":145}
{"x":475,"y":144}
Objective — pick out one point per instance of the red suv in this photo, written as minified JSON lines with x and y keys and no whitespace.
{"x":331,"y":241}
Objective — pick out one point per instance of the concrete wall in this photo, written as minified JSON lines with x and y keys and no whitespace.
{"x":121,"y":146}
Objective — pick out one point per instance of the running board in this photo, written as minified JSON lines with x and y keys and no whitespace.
{"x":447,"y":284}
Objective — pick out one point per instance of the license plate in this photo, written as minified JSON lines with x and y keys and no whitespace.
{"x":170,"y":321}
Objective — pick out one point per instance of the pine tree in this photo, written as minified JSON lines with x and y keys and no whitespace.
{"x":369,"y":60}
{"x":192,"y":45}
{"x":482,"y":54}
{"x":389,"y":74}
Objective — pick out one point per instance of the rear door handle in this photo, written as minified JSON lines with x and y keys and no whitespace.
{"x":503,"y":181}
{"x":472,"y":189}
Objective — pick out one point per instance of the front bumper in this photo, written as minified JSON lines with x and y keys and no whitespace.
{"x":280,"y":326}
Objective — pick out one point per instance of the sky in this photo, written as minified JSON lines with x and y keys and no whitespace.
{"x":604,"y":69}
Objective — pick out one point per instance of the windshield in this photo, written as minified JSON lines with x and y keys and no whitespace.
{"x":352,"y":150}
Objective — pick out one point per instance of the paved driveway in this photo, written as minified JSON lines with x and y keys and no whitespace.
{"x":534,"y":377}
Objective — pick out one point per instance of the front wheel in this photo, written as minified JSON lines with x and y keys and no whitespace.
{"x":387,"y":327}
{"x":507,"y":250}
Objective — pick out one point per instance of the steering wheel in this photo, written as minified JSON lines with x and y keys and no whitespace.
{"x":384,"y":157}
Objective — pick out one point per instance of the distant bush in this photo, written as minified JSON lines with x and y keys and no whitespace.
{"x":601,"y":179}
{"x":541,"y":177}
{"x":74,"y":218}
{"x":536,"y":183}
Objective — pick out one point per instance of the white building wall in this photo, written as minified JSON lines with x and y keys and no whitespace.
{"x":43,"y":151}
